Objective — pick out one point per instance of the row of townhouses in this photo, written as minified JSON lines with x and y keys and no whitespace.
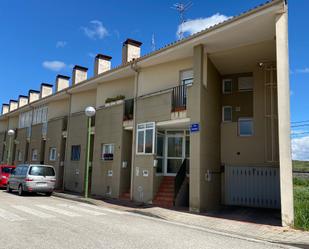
{"x":202,"y":122}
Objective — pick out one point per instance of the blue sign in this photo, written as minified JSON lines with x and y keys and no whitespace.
{"x":195,"y":127}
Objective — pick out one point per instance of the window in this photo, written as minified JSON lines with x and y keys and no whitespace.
{"x":52,"y":154}
{"x":227,"y":114}
{"x":75,"y":153}
{"x":41,"y":171}
{"x":245,"y":127}
{"x":34,"y":155}
{"x":245,"y":83}
{"x":107,"y":152}
{"x":160,"y":152}
{"x":227,"y":86}
{"x":145,"y":138}
{"x":186,"y":77}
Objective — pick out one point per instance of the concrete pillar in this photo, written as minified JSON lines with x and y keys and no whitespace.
{"x":194,"y":109}
{"x":286,"y":177}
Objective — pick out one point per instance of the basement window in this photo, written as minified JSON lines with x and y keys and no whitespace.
{"x":227,"y":113}
{"x":75,"y":153}
{"x":52,"y":154}
{"x":227,"y":86}
{"x":145,"y":138}
{"x":245,"y":127}
{"x":107,"y":152}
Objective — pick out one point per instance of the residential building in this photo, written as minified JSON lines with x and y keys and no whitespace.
{"x":202,"y":122}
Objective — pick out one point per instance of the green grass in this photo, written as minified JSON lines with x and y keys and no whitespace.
{"x":301,"y":203}
{"x":302,"y":166}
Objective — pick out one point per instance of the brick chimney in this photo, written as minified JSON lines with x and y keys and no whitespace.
{"x":33,"y":95}
{"x":102,"y":64}
{"x":46,"y":90}
{"x":13,"y":105}
{"x":131,"y":49}
{"x":79,"y":74}
{"x":22,"y":100}
{"x":5,"y":108}
{"x":62,"y":82}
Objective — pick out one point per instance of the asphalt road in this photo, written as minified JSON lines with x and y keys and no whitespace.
{"x":50,"y":222}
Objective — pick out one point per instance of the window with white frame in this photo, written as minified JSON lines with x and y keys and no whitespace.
{"x":52,"y":154}
{"x":107,"y":152}
{"x":245,"y":127}
{"x":145,"y":138}
{"x":227,"y":86}
{"x":35,"y":155}
{"x":227,"y":113}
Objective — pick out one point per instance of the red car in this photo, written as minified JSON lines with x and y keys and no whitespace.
{"x":5,"y":171}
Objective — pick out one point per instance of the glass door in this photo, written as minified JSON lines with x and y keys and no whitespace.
{"x":175,"y":151}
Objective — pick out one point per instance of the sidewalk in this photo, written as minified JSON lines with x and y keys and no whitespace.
{"x":274,"y":234}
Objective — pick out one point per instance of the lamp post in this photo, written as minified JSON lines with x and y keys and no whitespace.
{"x":11,"y":133}
{"x":90,"y":112}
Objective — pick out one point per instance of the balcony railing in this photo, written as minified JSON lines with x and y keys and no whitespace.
{"x":128,"y":109}
{"x":179,"y":98}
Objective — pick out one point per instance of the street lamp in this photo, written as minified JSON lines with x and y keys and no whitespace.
{"x":89,"y":112}
{"x":11,"y":133}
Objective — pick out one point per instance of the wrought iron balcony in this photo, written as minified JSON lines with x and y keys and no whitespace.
{"x":179,"y":98}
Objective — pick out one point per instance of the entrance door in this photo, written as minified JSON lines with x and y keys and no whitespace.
{"x":176,"y":145}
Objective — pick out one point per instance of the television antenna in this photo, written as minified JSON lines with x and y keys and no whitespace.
{"x":181,"y":8}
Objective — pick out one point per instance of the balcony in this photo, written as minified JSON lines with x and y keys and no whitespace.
{"x":128,"y":109}
{"x":179,"y":98}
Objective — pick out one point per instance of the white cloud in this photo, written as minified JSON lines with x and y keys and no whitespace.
{"x":196,"y":25}
{"x":303,"y":70}
{"x":300,"y":148}
{"x":95,"y":30}
{"x":61,"y":44}
{"x":54,"y":65}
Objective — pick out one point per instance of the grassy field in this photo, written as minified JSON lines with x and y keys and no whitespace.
{"x":301,"y":203}
{"x":302,"y":166}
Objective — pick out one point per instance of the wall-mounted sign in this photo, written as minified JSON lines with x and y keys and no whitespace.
{"x":195,"y":127}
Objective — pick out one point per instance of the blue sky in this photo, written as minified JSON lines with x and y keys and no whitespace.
{"x":40,"y":39}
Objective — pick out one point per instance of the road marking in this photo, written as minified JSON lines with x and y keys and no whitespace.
{"x":101,"y":208}
{"x":58,"y":210}
{"x":10,"y":216}
{"x":33,"y":211}
{"x":77,"y":208}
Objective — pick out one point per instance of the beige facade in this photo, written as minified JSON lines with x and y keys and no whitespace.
{"x":179,"y":92}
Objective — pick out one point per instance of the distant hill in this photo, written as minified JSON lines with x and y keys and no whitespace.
{"x":302,"y":166}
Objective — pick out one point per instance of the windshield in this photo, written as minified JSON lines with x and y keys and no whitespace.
{"x":41,"y":171}
{"x":6,"y":170}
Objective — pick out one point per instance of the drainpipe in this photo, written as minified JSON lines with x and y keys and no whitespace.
{"x":66,"y":140}
{"x":136,"y":70}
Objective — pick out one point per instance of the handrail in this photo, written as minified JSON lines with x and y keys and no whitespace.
{"x":179,"y":98}
{"x":180,"y":177}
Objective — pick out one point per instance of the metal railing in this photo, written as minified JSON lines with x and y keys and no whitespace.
{"x":128,"y":109}
{"x":179,"y":98}
{"x":180,"y":177}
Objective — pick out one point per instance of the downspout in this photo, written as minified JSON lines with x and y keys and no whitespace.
{"x":136,"y":70}
{"x":67,"y":138}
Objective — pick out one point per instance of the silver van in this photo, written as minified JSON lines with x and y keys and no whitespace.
{"x":34,"y":178}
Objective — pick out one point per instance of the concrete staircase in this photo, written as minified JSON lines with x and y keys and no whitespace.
{"x":165,"y":194}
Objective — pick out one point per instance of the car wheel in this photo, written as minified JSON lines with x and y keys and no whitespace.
{"x":20,"y":190}
{"x":49,"y":193}
{"x":8,"y":189}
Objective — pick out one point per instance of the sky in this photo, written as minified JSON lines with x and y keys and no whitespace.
{"x":40,"y":39}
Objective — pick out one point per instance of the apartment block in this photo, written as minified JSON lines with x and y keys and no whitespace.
{"x":200,"y":123}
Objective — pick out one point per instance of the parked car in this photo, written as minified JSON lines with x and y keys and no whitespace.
{"x":5,"y":171}
{"x":35,"y":178}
